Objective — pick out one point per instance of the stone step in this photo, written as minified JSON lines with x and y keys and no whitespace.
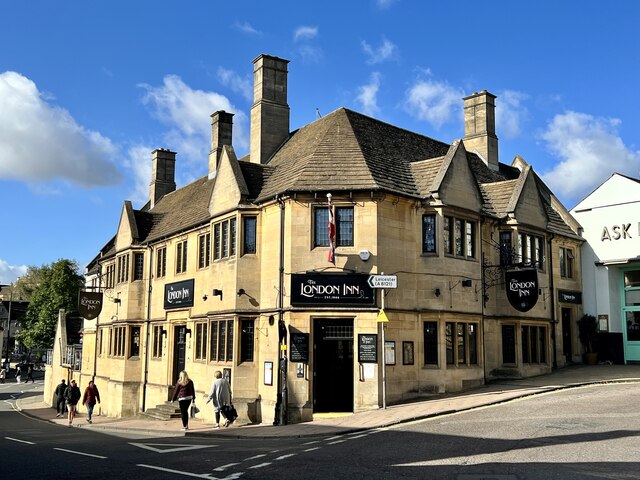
{"x":165,"y":411}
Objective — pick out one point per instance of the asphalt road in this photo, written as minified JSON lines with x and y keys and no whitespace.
{"x":580,"y":433}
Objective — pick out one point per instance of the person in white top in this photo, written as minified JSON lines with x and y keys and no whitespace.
{"x":221,"y":396}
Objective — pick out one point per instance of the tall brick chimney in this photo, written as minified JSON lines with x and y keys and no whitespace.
{"x":270,"y":111}
{"x":163,"y":174}
{"x":480,"y":127}
{"x":221,"y":133}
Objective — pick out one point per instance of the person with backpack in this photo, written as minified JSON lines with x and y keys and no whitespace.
{"x":72,"y":396}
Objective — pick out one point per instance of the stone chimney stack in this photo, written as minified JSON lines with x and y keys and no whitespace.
{"x":163,"y":174}
{"x":221,"y":133}
{"x":480,"y":127}
{"x":270,"y":111}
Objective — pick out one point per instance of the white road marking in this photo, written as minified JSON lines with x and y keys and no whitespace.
{"x":260,"y":465}
{"x":337,"y":441}
{"x":359,"y":436}
{"x":311,"y":443}
{"x":282,"y":457}
{"x":333,"y":438}
{"x":255,"y":457}
{"x":178,"y":447}
{"x":179,"y":472}
{"x":224,"y":467}
{"x":311,"y":449}
{"x":80,"y":453}
{"x":21,"y":441}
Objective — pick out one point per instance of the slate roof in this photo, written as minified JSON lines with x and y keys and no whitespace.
{"x":347,"y":151}
{"x":343,"y":151}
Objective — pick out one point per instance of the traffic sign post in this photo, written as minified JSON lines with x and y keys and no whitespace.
{"x":383,"y":281}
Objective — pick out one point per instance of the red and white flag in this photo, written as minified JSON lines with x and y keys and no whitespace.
{"x":332,"y":232}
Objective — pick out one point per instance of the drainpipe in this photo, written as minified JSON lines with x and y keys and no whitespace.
{"x":282,"y":395}
{"x":552,"y":303}
{"x":482,"y":292}
{"x":148,"y":324}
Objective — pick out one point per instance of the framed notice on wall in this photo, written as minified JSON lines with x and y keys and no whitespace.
{"x":268,"y":373}
{"x":368,"y":348}
{"x":389,"y":352}
{"x":407,"y":353}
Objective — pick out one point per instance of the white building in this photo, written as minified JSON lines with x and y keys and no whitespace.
{"x":610,"y":217}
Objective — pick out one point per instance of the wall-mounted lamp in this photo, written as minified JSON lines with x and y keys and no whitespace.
{"x":241,"y":291}
{"x":217,"y":293}
{"x":204,"y":297}
{"x":466,"y":283}
{"x":272,"y":320}
{"x":187,"y":331}
{"x":163,"y":332}
{"x":436,"y":292}
{"x":116,"y":300}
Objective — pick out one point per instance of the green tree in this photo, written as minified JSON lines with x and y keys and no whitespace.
{"x":48,"y":288}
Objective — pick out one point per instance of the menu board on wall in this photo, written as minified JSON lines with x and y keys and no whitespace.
{"x":299,"y":351}
{"x":368,"y":348}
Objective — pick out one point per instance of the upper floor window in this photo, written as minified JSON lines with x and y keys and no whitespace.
{"x":249,"y":234}
{"x":531,"y":250}
{"x":117,"y":341}
{"x":157,"y":341}
{"x":161,"y":262}
{"x":204,"y":250}
{"x":224,"y":239}
{"x":566,"y":262}
{"x":111,"y":275}
{"x":506,"y":248}
{"x":181,"y":257}
{"x":138,"y":266}
{"x":429,"y":233}
{"x":459,"y":237}
{"x":344,"y":226}
{"x":122,"y":263}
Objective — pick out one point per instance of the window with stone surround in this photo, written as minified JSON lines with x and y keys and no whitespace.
{"x":224,"y":239}
{"x":459,"y":237}
{"x":181,"y":256}
{"x":204,"y":250}
{"x":201,"y":341}
{"x":221,"y":340}
{"x":161,"y":262}
{"x":534,"y":344}
{"x":461,"y":341}
{"x":157,"y":341}
{"x":344,"y":226}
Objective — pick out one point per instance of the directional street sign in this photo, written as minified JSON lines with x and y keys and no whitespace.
{"x":383,"y":281}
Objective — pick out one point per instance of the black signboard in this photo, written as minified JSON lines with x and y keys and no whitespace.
{"x":89,"y":304}
{"x":299,"y":348}
{"x":368,"y":348}
{"x":522,"y":288}
{"x":569,"y":296}
{"x":179,"y":294}
{"x":331,"y":290}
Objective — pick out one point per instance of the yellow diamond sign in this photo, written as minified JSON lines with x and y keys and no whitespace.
{"x":382,"y":317}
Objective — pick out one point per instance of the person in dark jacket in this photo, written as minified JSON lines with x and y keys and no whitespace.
{"x":30,"y":374}
{"x":89,"y":399}
{"x":184,"y":392}
{"x":72,"y":396}
{"x":60,"y":401}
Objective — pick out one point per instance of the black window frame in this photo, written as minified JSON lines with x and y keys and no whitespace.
{"x":204,"y":250}
{"x":429,"y":236}
{"x":345,"y":226}
{"x":249,"y":234}
{"x":430,"y":332}
{"x":138,"y":266}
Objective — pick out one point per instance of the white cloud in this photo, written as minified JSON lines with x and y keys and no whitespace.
{"x":305,"y":33}
{"x":10,"y":273}
{"x":187,"y":114}
{"x":433,"y":101}
{"x":231,"y":79}
{"x":510,"y":113}
{"x":310,"y":54}
{"x":138,"y":159}
{"x":385,"y":51}
{"x":590,"y":150}
{"x":367,"y":95}
{"x":245,"y":27}
{"x":41,"y":142}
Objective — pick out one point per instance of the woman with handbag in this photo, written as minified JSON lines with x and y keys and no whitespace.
{"x":221,"y":396}
{"x":184,"y":392}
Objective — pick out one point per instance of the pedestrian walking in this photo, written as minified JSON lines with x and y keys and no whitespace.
{"x":220,"y":394}
{"x":89,"y":399}
{"x":184,"y":392}
{"x":72,"y":396}
{"x":18,"y":373}
{"x":60,"y":401}
{"x":3,"y":374}
{"x":30,"y":374}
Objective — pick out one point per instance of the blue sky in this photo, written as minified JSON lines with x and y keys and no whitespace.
{"x":88,"y":89}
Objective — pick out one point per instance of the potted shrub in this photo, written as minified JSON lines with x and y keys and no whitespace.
{"x":588,"y":333}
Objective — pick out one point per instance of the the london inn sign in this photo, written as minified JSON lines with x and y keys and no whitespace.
{"x":329,"y":290}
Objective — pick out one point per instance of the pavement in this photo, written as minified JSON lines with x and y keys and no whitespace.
{"x":492,"y":393}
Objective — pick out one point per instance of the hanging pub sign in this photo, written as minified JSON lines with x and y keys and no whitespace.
{"x":179,"y":294}
{"x":331,"y":290}
{"x":89,"y":304}
{"x":522,"y":288}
